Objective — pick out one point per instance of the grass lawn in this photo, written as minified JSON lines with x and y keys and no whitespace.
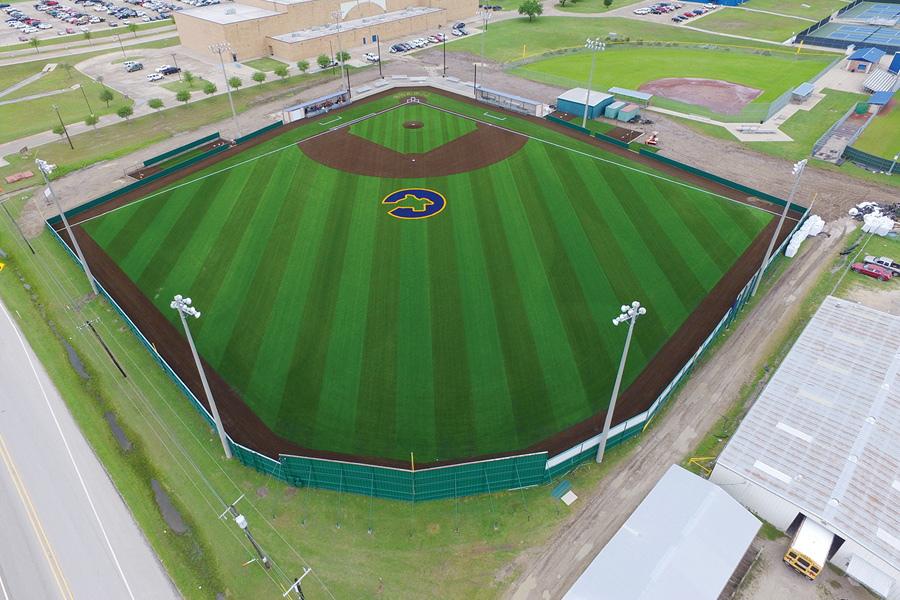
{"x":880,"y":137}
{"x":631,"y":66}
{"x":446,"y":336}
{"x":265,"y":64}
{"x":818,"y":9}
{"x":505,"y":39}
{"x":764,"y":26}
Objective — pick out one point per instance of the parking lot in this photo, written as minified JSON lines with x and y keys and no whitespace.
{"x":666,"y":12}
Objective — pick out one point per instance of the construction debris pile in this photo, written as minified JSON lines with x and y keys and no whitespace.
{"x":876,"y":218}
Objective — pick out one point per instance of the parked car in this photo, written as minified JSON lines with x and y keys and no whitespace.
{"x":371,"y":57}
{"x":459,"y":25}
{"x":69,"y":30}
{"x":878,"y":272}
{"x":154,"y":77}
{"x":134,"y":67}
{"x":170,"y":70}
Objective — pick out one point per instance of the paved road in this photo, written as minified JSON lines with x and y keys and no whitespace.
{"x":65,"y":532}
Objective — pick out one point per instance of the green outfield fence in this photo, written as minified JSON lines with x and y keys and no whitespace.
{"x":869,"y":160}
{"x":141,"y":182}
{"x":261,"y":131}
{"x":181,"y":149}
{"x":467,"y":478}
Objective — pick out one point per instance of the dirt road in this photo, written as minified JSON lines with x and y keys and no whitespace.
{"x":547,"y":572}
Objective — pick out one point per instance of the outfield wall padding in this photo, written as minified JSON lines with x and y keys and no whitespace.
{"x":181,"y":149}
{"x":569,"y":125}
{"x":253,"y":134}
{"x":610,"y":140}
{"x":133,"y":186}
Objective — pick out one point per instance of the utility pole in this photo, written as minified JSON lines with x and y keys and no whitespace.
{"x":66,"y":131}
{"x":242,"y":523}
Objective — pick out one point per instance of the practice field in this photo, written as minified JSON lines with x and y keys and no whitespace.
{"x":632,"y":66}
{"x":425,"y":277}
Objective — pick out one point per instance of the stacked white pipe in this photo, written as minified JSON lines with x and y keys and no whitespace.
{"x":812,"y":226}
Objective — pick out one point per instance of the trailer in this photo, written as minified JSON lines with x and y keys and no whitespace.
{"x":809,"y":548}
{"x":884,"y":261}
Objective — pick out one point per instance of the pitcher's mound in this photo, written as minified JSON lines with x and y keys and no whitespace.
{"x":414,"y":124}
{"x":724,"y":97}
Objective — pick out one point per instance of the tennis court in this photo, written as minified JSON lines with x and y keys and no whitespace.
{"x":874,"y":35}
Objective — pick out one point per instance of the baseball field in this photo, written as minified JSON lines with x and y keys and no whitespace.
{"x":420,"y":274}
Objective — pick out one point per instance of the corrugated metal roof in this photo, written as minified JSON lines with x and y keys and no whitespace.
{"x":683,"y":542}
{"x":804,"y":89}
{"x":881,"y":97}
{"x":880,"y":81}
{"x":825,"y":432}
{"x":630,"y":93}
{"x":872,"y":55}
{"x":579,"y":95}
{"x":870,"y":576}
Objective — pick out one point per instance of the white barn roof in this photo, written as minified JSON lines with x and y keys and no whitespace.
{"x":682,"y":543}
{"x":579,"y":96}
{"x":825,"y":432}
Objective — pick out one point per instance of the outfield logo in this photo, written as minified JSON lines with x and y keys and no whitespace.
{"x":415,"y":203}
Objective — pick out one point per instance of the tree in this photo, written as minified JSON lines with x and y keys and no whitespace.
{"x":183,"y":96}
{"x":34,"y":43}
{"x":281,"y":71}
{"x":133,"y":28}
{"x":88,"y":35}
{"x":532,"y":8}
{"x":607,"y":3}
{"x":99,"y":79}
{"x":258,"y":77}
{"x":59,"y":130}
{"x":106,"y":96}
{"x":303,"y":65}
{"x":209,"y":88}
{"x":562,"y":2}
{"x":68,"y":68}
{"x":92,"y":121}
{"x":188,"y":78}
{"x":323,"y":61}
{"x":235,"y":82}
{"x":156,"y":104}
{"x":125,"y":112}
{"x":343,"y":56}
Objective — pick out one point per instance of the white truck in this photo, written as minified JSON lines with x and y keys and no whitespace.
{"x":809,"y":548}
{"x":884,"y":261}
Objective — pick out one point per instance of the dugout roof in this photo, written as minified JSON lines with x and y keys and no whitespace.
{"x":824,"y":433}
{"x":684,"y":541}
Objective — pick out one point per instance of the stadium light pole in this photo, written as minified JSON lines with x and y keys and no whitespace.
{"x":630,"y":314}
{"x":45,"y":170}
{"x":63,"y":125}
{"x":894,"y":164}
{"x":219,"y":49}
{"x":485,"y":16}
{"x":594,"y":45}
{"x":183,"y":306}
{"x":798,"y":171}
{"x":338,"y":15}
{"x":175,"y":60}
{"x":81,"y":87}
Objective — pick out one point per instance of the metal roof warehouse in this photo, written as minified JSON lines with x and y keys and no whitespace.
{"x":823,"y":440}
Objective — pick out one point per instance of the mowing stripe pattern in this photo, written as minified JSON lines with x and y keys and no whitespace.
{"x":482,"y":329}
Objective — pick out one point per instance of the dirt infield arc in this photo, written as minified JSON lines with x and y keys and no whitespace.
{"x":248,"y":430}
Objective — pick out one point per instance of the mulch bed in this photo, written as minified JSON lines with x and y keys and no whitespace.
{"x":247,"y":429}
{"x":625,"y":135}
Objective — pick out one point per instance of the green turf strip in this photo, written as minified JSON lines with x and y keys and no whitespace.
{"x":492,"y":404}
{"x":518,"y":344}
{"x":453,"y":402}
{"x":376,"y":410}
{"x":275,"y":380}
{"x":271,"y":234}
{"x":341,"y":380}
{"x":415,"y":362}
{"x":308,"y":361}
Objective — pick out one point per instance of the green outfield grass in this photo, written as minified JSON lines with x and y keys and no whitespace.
{"x":880,"y":137}
{"x":759,"y":25}
{"x":482,"y":329}
{"x":812,"y":9}
{"x":632,"y":66}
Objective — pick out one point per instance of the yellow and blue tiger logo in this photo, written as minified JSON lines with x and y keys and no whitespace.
{"x":417,"y":203}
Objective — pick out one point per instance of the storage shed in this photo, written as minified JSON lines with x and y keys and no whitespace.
{"x":684,"y":542}
{"x":628,"y":112}
{"x":612,"y":111}
{"x":863,"y":59}
{"x":823,"y":441}
{"x":573,"y":102}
